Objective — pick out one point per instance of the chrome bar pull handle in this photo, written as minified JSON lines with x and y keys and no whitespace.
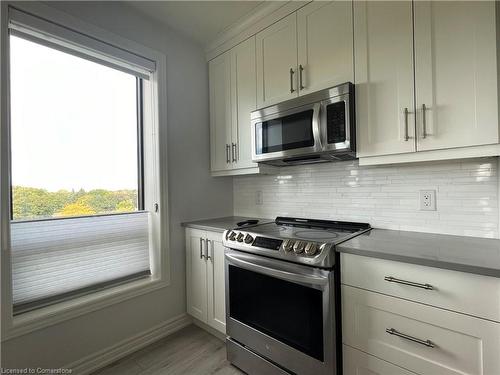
{"x":201,"y":248}
{"x":409,"y":283}
{"x":301,"y":85}
{"x":428,"y":343}
{"x":212,"y":246}
{"x":233,"y":151}
{"x":424,"y":122}
{"x":291,"y":81}
{"x":405,"y":112}
{"x":228,"y":160}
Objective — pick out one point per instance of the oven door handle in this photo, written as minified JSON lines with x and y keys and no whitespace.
{"x":262,"y":266}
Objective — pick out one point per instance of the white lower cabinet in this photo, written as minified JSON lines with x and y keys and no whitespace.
{"x":418,"y":337}
{"x":357,"y":362}
{"x":446,"y":289}
{"x":205,"y":278}
{"x":196,"y":275}
{"x":400,"y":318}
{"x":216,"y":284}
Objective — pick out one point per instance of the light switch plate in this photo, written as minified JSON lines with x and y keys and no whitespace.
{"x":428,"y":200}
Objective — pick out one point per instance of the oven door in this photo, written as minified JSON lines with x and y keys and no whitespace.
{"x":286,"y":134}
{"x":282,"y":311}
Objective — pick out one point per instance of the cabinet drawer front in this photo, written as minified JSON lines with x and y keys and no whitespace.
{"x":358,"y":363}
{"x":452,"y":290}
{"x":458,"y":344}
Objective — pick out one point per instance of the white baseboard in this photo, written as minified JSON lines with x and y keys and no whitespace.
{"x":212,"y":331}
{"x":109,"y":355}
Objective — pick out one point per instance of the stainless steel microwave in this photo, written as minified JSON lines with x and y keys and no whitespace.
{"x":313,"y":128}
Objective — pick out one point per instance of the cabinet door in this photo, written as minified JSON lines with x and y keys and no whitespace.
{"x":277,"y":62}
{"x":417,"y":337}
{"x":358,"y":363}
{"x":456,"y":73}
{"x":325,"y":45}
{"x":196,"y":274}
{"x":244,"y":94}
{"x":220,"y":111}
{"x":383,"y":51}
{"x":216,"y":283}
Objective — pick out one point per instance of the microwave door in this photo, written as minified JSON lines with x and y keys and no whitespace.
{"x":286,"y":134}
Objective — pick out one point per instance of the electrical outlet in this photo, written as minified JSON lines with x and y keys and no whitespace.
{"x":428,"y":200}
{"x":259,"y":199}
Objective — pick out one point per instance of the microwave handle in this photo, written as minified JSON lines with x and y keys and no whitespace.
{"x":316,"y":126}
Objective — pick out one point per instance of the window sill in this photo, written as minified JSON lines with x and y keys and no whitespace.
{"x":50,"y":315}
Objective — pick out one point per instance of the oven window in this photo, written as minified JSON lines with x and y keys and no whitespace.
{"x":285,"y":133}
{"x":289,"y":312}
{"x":335,"y":122}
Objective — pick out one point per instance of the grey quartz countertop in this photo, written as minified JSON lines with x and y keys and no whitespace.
{"x":466,"y":254}
{"x":220,"y":224}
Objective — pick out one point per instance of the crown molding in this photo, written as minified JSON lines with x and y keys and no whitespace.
{"x":258,"y":19}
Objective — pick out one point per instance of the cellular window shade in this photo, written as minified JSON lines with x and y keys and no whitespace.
{"x":56,"y":36}
{"x":57,"y":259}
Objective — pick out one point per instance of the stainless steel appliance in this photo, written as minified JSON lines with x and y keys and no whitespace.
{"x":313,"y":128}
{"x":282,"y":295}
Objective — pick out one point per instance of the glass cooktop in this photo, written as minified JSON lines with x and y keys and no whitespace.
{"x":309,"y":229}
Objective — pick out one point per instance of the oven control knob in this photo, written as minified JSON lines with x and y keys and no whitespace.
{"x":311,"y":248}
{"x":299,"y":247}
{"x":239,"y":237}
{"x":288,"y":245}
{"x":248,"y":239}
{"x":232,"y":236}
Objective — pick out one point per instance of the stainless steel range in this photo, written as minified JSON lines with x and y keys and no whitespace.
{"x":282,"y":295}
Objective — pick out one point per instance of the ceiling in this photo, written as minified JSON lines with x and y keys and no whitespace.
{"x":201,"y":21}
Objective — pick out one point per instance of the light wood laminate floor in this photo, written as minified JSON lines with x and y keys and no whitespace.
{"x":190,"y":351}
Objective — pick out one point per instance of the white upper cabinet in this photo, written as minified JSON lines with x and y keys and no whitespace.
{"x":383,"y":54}
{"x":325,"y":45}
{"x":456,"y":74}
{"x":277,"y":62}
{"x":425,"y":74}
{"x":307,"y":51}
{"x":220,"y":111}
{"x":233,"y":96}
{"x":244,"y":98}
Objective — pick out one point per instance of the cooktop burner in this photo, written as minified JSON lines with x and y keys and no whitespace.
{"x":316,"y":235}
{"x":306,"y":241}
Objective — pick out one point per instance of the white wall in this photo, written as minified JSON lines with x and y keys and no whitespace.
{"x":384,"y":196}
{"x":193,"y":195}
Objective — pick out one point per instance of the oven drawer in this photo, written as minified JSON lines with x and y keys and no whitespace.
{"x":417,"y":337}
{"x":452,"y":290}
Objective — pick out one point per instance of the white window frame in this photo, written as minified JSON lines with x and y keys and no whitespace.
{"x":155,"y":167}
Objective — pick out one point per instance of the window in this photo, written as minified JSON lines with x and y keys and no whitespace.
{"x":83,"y":164}
{"x":75,"y":135}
